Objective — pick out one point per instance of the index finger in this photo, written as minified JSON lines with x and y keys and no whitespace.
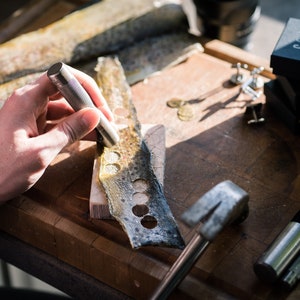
{"x":44,"y":84}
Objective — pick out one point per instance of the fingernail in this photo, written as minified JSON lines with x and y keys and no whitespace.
{"x":90,"y":116}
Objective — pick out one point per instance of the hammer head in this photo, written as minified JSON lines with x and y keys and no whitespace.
{"x":223,"y":204}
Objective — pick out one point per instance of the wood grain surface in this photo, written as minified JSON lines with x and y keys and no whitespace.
{"x":216,"y":145}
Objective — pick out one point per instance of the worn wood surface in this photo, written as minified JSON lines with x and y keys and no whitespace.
{"x":217,"y":145}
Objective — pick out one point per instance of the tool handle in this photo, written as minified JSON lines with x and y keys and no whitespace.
{"x":181,"y":267}
{"x":78,"y":98}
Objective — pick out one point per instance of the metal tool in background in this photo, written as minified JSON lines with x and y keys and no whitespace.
{"x":280,"y":254}
{"x":250,"y":87}
{"x":238,"y":77}
{"x":292,"y":276}
{"x":78,"y":98}
{"x":224,"y":204}
{"x":255,"y":110}
{"x":256,"y":82}
{"x":253,"y":83}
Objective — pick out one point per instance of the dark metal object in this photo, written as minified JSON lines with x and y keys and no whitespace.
{"x":78,"y":98}
{"x":292,"y":276}
{"x":257,"y":82}
{"x":248,"y":86}
{"x":284,"y":249}
{"x":225,"y":203}
{"x":231,"y":21}
{"x":255,"y":111}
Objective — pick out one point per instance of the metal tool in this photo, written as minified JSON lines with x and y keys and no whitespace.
{"x":239,"y":77}
{"x":245,"y":88}
{"x":78,"y":98}
{"x":251,"y":84}
{"x":223,"y":204}
{"x":255,"y":110}
{"x":279,"y":255}
{"x":292,"y":275}
{"x":257,"y":82}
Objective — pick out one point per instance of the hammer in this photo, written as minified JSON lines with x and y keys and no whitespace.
{"x":225,"y":203}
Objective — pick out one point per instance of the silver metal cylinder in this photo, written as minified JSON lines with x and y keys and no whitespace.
{"x":277,"y":257}
{"x":78,"y":98}
{"x":292,"y":275}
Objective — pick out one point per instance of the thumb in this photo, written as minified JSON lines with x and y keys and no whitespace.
{"x":73,"y":128}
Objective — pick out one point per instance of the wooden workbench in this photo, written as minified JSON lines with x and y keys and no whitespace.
{"x":51,"y":224}
{"x":217,"y":145}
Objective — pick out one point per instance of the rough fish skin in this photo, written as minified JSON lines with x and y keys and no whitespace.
{"x":134,"y":194}
{"x":154,"y":54}
{"x":139,"y":61}
{"x":99,"y":29}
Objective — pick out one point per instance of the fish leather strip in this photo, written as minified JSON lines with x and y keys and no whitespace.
{"x":96,"y":30}
{"x":142,"y":59}
{"x":126,"y":172}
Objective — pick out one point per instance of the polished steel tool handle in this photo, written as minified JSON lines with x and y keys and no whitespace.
{"x":78,"y":98}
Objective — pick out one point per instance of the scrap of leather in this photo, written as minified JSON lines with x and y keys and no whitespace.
{"x":135,"y":195}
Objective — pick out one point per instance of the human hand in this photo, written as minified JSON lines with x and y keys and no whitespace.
{"x":36,"y":123}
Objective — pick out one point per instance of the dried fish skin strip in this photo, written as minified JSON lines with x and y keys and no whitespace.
{"x":141,"y":60}
{"x":111,"y":82}
{"x":98,"y":29}
{"x":135,"y":195}
{"x":152,"y":55}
